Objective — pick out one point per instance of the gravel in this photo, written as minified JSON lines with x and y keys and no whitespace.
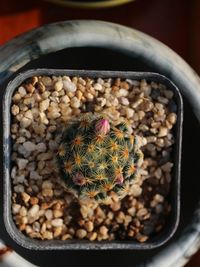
{"x":40,"y":109}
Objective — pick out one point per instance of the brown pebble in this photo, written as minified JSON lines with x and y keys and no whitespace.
{"x":16,"y":98}
{"x":172,"y":117}
{"x":115,"y":206}
{"x":141,"y":238}
{"x":89,"y":226}
{"x":79,"y":94}
{"x":34,"y":200}
{"x":15,"y":110}
{"x":81,"y":233}
{"x":66,"y":237}
{"x":103,"y":230}
{"x":92,"y":236}
{"x":131,"y":233}
{"x":34,"y":80}
{"x":48,"y":235}
{"x":57,"y":213}
{"x":30,"y":88}
{"x":25,"y":197}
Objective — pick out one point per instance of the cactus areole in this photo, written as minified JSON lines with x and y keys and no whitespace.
{"x":96,"y":157}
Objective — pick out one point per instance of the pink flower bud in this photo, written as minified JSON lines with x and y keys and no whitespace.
{"x":119,"y":179}
{"x":102,"y":127}
{"x":79,"y":179}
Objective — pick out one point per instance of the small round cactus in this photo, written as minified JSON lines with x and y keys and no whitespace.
{"x":96,"y":157}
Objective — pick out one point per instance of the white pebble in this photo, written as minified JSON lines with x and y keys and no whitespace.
{"x":41,"y":147}
{"x":65,"y":99}
{"x":163,"y":100}
{"x":132,"y":211}
{"x":137,"y":103}
{"x":141,"y":213}
{"x":23,"y":211}
{"x":33,"y":211}
{"x":13,"y":172}
{"x":47,"y":81}
{"x":31,"y":166}
{"x":124,"y":101}
{"x":15,"y":110}
{"x":57,"y":213}
{"x":44,"y":156}
{"x":69,"y":86}
{"x":36,"y":226}
{"x":28,"y":229}
{"x":163,"y":131}
{"x":89,"y":96}
{"x":47,"y":192}
{"x":21,"y":163}
{"x":57,"y":222}
{"x":35,"y":175}
{"x":53,"y":113}
{"x":133,"y":82}
{"x":172,"y":118}
{"x":167,"y":166}
{"x":136,"y":190}
{"x":159,"y":198}
{"x":111,"y":101}
{"x":151,"y":139}
{"x":28,"y":114}
{"x":158,"y":173}
{"x":25,"y":133}
{"x":29,"y":146}
{"x":44,"y":105}
{"x":103,"y":230}
{"x":20,"y":140}
{"x":48,"y":235}
{"x":75,"y":102}
{"x":49,"y":214}
{"x":43,"y":118}
{"x":168,"y":93}
{"x":25,"y":122}
{"x":19,"y":179}
{"x":143,"y":141}
{"x":54,"y":94}
{"x":141,"y":114}
{"x":21,"y":149}
{"x":98,"y":87}
{"x":58,"y":86}
{"x":22,"y":91}
{"x":81,"y":233}
{"x":129,"y":112}
{"x":53,"y":145}
{"x":19,"y":188}
{"x":16,"y":208}
{"x":101,"y":101}
{"x":122,"y":92}
{"x":47,"y":184}
{"x":100,"y":81}
{"x":25,"y":197}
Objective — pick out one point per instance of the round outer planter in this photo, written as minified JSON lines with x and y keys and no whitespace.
{"x":90,"y":4}
{"x":58,"y":36}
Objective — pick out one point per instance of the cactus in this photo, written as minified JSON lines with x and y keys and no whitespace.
{"x":95,"y":157}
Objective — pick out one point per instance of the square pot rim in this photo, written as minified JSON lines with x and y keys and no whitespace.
{"x":76,"y":244}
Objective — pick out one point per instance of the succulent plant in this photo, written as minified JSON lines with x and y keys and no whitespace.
{"x":96,"y":157}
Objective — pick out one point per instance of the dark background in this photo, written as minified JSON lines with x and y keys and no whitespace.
{"x":174,"y":22}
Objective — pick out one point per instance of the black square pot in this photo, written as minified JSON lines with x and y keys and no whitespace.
{"x":174,"y":196}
